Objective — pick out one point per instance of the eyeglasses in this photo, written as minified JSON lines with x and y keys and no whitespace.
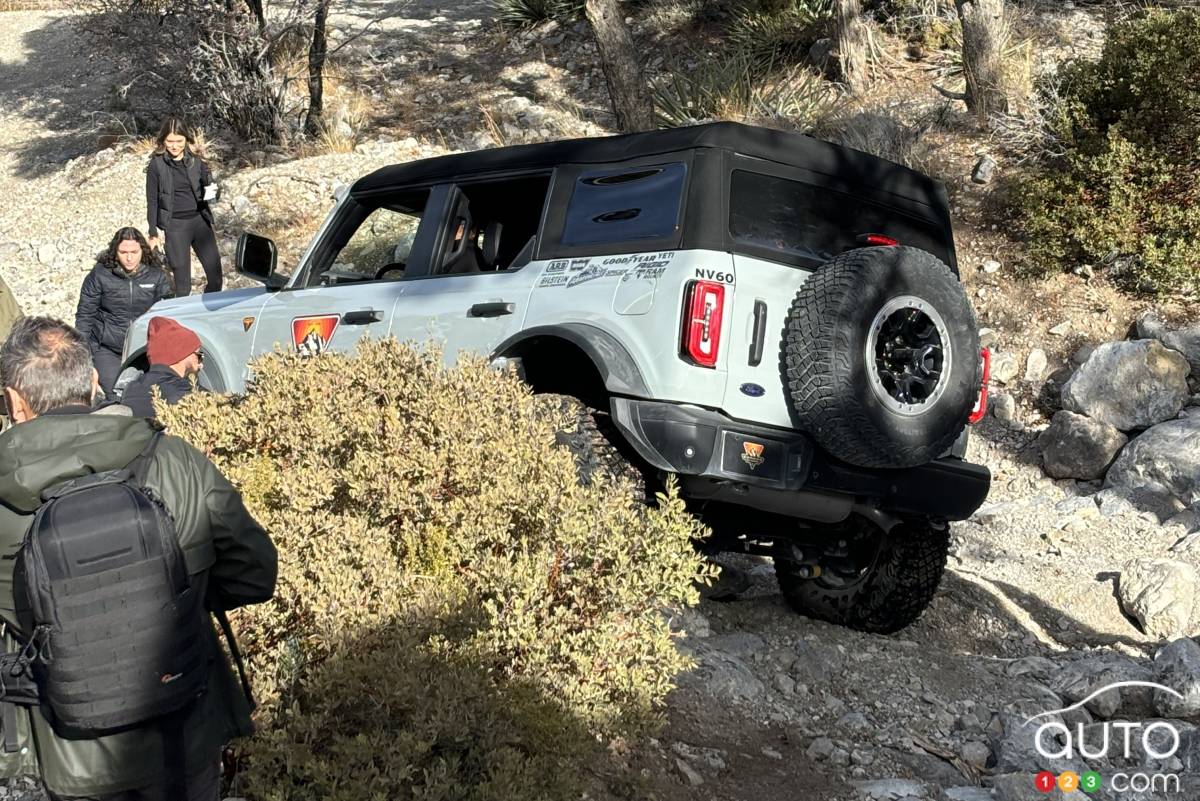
{"x":200,"y":355}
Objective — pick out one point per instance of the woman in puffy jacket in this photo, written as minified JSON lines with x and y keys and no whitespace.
{"x":178,"y":188}
{"x":127,"y":280}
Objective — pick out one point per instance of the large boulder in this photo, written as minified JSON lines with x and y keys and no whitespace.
{"x":1129,"y":385}
{"x":1160,"y":594}
{"x":1178,"y":667}
{"x":1165,"y":458}
{"x":1075,"y":446}
{"x":1186,"y":340}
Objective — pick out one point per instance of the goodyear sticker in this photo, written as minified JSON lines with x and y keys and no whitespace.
{"x":573,"y":272}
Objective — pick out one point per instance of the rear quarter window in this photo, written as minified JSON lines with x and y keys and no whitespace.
{"x":631,"y":203}
{"x":814,"y":224}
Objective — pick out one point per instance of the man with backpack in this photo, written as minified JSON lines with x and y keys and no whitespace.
{"x":117,"y":541}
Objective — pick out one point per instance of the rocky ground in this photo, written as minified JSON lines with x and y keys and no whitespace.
{"x":1029,"y":618}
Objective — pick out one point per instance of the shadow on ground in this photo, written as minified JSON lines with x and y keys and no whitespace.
{"x":54,"y":88}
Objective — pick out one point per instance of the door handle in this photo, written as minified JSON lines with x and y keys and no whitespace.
{"x":760,"y":333}
{"x":496,"y":309}
{"x":362,"y":317}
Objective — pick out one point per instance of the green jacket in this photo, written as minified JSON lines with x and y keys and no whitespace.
{"x":222,"y":545}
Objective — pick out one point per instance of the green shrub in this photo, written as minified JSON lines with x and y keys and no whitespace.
{"x":1130,"y":128}
{"x":456,"y":616}
{"x":732,"y":88}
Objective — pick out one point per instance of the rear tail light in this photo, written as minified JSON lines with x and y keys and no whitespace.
{"x":980,"y":409}
{"x":704,"y":303}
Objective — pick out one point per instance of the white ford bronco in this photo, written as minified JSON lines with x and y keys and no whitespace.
{"x":774,"y":319}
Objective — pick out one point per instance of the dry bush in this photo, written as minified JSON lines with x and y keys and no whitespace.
{"x":205,"y":57}
{"x":456,"y":615}
{"x":881,"y":131}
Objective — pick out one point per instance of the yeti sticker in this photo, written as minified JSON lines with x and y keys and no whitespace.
{"x":311,"y":335}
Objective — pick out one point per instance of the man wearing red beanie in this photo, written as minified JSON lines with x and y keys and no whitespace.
{"x":175,"y":356}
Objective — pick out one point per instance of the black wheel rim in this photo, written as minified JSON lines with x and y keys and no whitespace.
{"x":908,"y":356}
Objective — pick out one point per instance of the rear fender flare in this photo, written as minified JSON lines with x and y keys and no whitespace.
{"x":613,"y":361}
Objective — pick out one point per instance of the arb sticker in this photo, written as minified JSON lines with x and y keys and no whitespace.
{"x":311,"y":335}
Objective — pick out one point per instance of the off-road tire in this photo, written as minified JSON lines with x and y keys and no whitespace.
{"x":592,"y":441}
{"x":829,"y":375}
{"x":894,"y":592}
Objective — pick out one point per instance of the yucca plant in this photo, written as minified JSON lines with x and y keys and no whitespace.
{"x":525,"y":13}
{"x":736,"y":89}
{"x":779,"y":37}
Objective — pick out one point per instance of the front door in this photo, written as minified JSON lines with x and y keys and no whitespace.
{"x":350,"y":287}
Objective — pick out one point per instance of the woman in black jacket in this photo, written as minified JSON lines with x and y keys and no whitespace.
{"x":177,"y":182}
{"x":127,"y":280}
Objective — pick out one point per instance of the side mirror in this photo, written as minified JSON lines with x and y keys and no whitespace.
{"x":256,"y":257}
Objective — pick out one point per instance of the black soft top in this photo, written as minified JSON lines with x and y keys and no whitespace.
{"x":791,"y":149}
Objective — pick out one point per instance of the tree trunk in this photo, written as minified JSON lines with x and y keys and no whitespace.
{"x":256,"y":7}
{"x":984,"y":31}
{"x":316,"y":71}
{"x":851,"y":44}
{"x":622,"y":70}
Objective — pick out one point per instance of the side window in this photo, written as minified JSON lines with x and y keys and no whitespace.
{"x":493,"y":225}
{"x":815,"y":223}
{"x":627,"y":204}
{"x":379,"y":248}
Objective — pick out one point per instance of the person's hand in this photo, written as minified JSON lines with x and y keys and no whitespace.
{"x":152,"y":242}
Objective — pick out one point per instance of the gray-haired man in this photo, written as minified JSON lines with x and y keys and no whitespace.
{"x":49,"y":381}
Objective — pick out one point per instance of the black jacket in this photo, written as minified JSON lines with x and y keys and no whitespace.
{"x":160,"y":189}
{"x":138,"y":396}
{"x":111,"y":299}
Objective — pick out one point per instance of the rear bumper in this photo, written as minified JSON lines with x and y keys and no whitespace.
{"x":756,"y":465}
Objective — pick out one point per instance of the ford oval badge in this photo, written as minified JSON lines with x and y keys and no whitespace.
{"x":753,"y":390}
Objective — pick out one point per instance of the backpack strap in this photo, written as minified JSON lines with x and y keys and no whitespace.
{"x":135,"y":471}
{"x":219,"y":614}
{"x":140,"y":465}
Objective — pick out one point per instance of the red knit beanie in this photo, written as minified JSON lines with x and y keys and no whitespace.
{"x":168,"y":342}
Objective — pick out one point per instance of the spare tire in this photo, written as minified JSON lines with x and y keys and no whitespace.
{"x":882,"y":357}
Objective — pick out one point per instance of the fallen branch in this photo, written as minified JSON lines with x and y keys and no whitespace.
{"x":944,"y":92}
